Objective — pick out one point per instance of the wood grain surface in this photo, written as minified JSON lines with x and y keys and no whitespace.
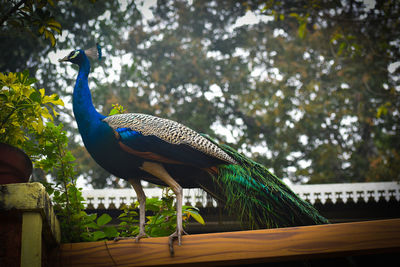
{"x":268,"y":245}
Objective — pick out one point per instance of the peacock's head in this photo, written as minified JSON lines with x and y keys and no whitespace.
{"x":78,"y":56}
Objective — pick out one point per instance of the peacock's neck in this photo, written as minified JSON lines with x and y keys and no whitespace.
{"x":85,"y":114}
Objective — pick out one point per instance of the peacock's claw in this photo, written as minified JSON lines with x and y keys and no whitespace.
{"x":136,"y":238}
{"x":118,"y":238}
{"x":140,"y":236}
{"x":176,"y":235}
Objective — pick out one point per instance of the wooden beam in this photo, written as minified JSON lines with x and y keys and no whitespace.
{"x":283,"y":244}
{"x":31,"y":244}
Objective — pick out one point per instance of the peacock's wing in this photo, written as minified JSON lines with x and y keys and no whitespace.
{"x":165,"y":140}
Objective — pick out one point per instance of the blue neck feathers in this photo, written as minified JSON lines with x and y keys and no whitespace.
{"x":85,"y":114}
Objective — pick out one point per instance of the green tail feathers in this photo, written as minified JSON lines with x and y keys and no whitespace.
{"x":260,"y":198}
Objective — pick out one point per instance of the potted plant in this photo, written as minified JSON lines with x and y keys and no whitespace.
{"x":15,"y":165}
{"x":23,"y":113}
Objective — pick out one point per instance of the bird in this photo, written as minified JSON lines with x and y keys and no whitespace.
{"x":136,"y":147}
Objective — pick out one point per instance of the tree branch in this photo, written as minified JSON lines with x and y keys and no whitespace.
{"x":12,"y":10}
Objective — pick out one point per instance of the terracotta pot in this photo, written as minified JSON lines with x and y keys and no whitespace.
{"x":15,"y":165}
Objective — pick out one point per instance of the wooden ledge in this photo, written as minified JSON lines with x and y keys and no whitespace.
{"x":283,"y":244}
{"x":31,"y":197}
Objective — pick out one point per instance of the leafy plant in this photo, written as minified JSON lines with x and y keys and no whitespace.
{"x":163,"y":220}
{"x":128,"y":226}
{"x":26,"y":116}
{"x":96,"y":229}
{"x":116,"y":109}
{"x":35,"y":17}
{"x":23,"y":108}
{"x":53,"y":157}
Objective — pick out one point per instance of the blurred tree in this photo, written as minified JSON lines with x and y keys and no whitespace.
{"x":31,"y":16}
{"x":310,"y":82}
{"x":305,"y":91}
{"x":83,"y":24}
{"x":349,"y":94}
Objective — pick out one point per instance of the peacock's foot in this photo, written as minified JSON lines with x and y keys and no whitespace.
{"x":176,"y":235}
{"x":140,"y":236}
{"x":136,"y":238}
{"x":118,"y":238}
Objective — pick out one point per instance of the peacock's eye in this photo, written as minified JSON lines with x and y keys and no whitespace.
{"x":73,"y":54}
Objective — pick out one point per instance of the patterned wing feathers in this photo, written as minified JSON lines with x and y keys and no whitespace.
{"x":168,"y":131}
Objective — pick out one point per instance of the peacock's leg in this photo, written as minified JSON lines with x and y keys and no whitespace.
{"x":160,"y":172}
{"x":137,"y":186}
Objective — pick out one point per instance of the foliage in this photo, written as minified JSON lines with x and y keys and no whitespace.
{"x":33,"y":16}
{"x":26,"y":122}
{"x":301,"y":92}
{"x":23,"y":108}
{"x":306,"y":90}
{"x":163,"y":220}
{"x":128,"y":226}
{"x":26,"y":116}
{"x":83,"y":24}
{"x":54,"y":158}
{"x":116,"y":109}
{"x":354,"y":101}
{"x":99,"y":229}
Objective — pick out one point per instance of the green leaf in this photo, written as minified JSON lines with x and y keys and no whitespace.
{"x":91,"y":218}
{"x":110,"y":231}
{"x":185,"y":207}
{"x":49,"y":35}
{"x":153,"y":204}
{"x":25,"y":73}
{"x":113,"y":112}
{"x":302,"y":29}
{"x":98,"y":235}
{"x":36,"y":97}
{"x":342,"y":46}
{"x":92,"y":225}
{"x":383,"y":109}
{"x":30,"y":81}
{"x":196,"y":216}
{"x":103,"y":219}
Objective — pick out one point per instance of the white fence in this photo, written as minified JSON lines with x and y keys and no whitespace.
{"x":114,"y":198}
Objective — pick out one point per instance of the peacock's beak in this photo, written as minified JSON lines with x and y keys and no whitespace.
{"x":63,"y":59}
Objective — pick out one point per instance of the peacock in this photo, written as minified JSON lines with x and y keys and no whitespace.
{"x":139,"y":147}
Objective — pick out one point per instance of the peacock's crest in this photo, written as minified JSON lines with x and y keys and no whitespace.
{"x":94,"y":52}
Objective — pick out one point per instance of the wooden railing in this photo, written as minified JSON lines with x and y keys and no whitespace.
{"x":244,"y":247}
{"x":354,"y":192}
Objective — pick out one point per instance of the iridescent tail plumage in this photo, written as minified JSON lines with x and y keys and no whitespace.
{"x":260,"y":198}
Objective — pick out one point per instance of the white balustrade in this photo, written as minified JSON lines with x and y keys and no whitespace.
{"x":197,"y":197}
{"x":348,"y":192}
